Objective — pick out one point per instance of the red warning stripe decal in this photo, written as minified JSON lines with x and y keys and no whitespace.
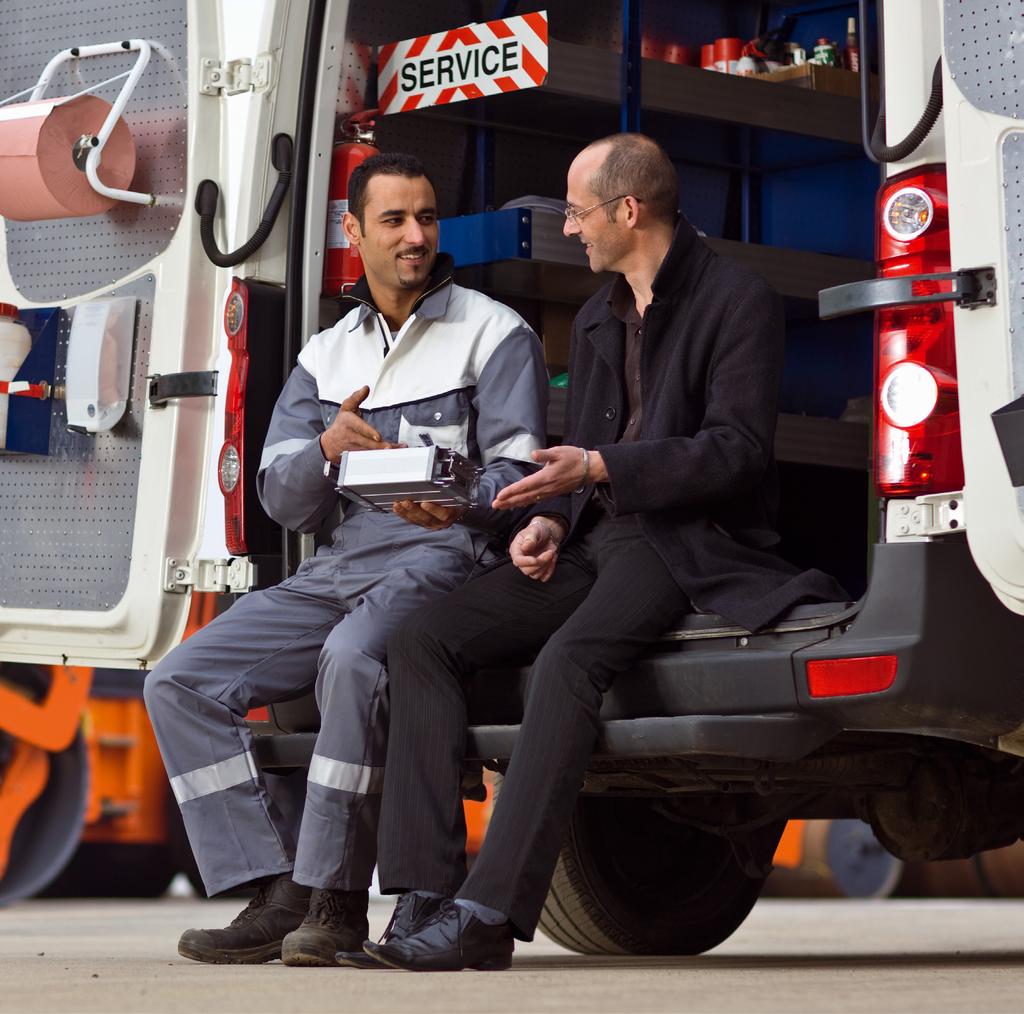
{"x":25,"y":389}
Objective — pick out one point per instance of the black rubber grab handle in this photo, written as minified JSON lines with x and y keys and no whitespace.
{"x":208,"y":194}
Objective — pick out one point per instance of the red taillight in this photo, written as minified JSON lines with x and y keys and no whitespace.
{"x":917,"y":420}
{"x":846,"y":677}
{"x":231,"y":464}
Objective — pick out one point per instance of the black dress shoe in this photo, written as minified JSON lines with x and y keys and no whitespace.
{"x":411,"y":911}
{"x":451,"y":940}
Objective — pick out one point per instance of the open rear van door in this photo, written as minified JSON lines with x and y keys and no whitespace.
{"x":105,"y":480}
{"x":983,"y":63}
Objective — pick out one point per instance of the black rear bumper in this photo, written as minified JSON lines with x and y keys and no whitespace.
{"x":716,"y":691}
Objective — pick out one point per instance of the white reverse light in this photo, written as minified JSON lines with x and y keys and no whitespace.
{"x":230,"y":468}
{"x":907,"y":214}
{"x":909,"y":394}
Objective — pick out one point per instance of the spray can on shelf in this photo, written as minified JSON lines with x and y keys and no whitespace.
{"x":825,"y":53}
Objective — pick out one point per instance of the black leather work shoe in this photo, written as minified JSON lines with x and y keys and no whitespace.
{"x":411,"y":912}
{"x":452,"y":939}
{"x":336,"y":922}
{"x":255,"y":934}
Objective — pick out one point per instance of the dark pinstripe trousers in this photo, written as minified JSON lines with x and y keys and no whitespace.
{"x":609,"y":598}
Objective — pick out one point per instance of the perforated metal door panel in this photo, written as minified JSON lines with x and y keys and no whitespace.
{"x":67,"y":519}
{"x":53,"y":261}
{"x":984,"y":45}
{"x":1013,"y":203}
{"x":1013,"y":198}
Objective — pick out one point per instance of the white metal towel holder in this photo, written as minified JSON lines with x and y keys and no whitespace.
{"x":97,"y":143}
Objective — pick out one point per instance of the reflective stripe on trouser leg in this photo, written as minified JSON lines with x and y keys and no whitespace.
{"x":337,"y":845}
{"x":214,"y":778}
{"x":265,"y":647}
{"x":345,"y":777}
{"x":338,"y":836}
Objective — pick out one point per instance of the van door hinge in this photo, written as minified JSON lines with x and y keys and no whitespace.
{"x":236,"y":76}
{"x":924,"y":518}
{"x":235,"y":575}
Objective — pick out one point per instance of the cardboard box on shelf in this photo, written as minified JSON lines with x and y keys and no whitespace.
{"x":820,"y":78}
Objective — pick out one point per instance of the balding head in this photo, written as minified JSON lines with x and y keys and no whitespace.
{"x":632,"y":164}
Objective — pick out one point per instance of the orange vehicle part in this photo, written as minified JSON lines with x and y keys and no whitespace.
{"x":128,"y":786}
{"x":478,"y":816}
{"x":23,"y":782}
{"x":51,"y":724}
{"x":201,"y":612}
{"x":789,"y":853}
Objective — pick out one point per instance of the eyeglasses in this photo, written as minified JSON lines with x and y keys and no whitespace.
{"x":574,"y":215}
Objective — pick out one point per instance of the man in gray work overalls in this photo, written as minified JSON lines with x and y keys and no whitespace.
{"x":416,"y":359}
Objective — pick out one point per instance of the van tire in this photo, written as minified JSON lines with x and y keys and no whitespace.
{"x":630,"y":880}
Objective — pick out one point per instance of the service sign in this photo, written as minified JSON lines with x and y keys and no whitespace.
{"x":464,"y":63}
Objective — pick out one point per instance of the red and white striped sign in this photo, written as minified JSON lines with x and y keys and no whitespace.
{"x":464,"y":63}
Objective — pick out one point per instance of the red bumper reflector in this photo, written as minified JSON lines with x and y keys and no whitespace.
{"x":258,"y":715}
{"x":844,"y":677}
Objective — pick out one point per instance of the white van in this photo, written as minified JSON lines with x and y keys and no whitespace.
{"x":903,"y":706}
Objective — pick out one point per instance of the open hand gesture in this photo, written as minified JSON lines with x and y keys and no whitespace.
{"x":563,"y":472}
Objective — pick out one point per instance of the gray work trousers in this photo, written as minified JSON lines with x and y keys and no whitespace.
{"x":325,"y":628}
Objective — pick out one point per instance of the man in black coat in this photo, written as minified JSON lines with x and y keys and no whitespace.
{"x":660,"y":501}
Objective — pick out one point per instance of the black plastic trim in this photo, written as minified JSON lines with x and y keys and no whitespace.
{"x":770,"y":737}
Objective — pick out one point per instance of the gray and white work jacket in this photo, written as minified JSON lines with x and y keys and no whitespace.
{"x":464,"y":370}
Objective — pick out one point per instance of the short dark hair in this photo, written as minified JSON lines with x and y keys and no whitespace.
{"x":392,"y":163}
{"x":637,"y":165}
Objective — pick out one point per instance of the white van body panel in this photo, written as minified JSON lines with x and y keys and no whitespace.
{"x":983,"y":184}
{"x":913,"y":42}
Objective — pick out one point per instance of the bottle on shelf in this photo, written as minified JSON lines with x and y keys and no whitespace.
{"x":851,"y":54}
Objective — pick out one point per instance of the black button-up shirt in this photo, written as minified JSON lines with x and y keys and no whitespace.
{"x":622,"y":303}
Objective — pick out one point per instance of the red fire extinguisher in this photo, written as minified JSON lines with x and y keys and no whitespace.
{"x":343,"y":266}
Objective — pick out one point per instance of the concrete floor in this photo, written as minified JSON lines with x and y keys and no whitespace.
{"x":805,"y":956}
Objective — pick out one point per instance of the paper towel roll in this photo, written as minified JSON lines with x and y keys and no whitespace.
{"x":38,"y":175}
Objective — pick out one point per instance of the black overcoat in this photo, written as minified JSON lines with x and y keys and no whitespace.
{"x":701,"y":479}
